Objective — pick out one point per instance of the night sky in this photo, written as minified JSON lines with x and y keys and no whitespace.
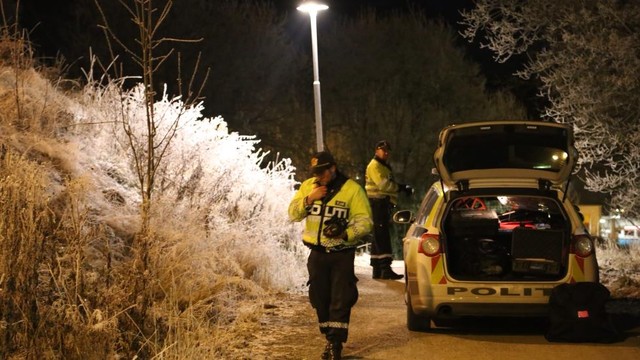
{"x":446,"y":10}
{"x":39,"y":16}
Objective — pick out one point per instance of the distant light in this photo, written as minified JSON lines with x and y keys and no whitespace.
{"x":312,"y":7}
{"x":562,"y":155}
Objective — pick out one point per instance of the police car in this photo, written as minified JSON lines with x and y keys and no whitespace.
{"x":498,"y":231}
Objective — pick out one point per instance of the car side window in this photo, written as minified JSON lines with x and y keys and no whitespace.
{"x":427,"y":204}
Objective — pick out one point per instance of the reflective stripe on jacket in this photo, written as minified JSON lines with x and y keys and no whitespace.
{"x":350,"y":202}
{"x":379,"y":181}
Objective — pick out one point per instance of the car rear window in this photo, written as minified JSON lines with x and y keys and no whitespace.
{"x":506,"y":147}
{"x":509,"y":211}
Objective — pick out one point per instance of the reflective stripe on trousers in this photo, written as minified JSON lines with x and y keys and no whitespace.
{"x":332,"y":291}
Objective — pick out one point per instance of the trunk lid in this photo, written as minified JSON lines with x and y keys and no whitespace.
{"x":498,"y":152}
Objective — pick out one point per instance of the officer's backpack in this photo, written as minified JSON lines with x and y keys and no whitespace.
{"x":577,"y":314}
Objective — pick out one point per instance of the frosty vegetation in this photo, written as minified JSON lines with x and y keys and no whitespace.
{"x":620,"y":270}
{"x":221,"y":240}
{"x":215,"y":189}
{"x":131,"y":225}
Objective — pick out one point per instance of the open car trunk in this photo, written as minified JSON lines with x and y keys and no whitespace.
{"x":506,"y":238}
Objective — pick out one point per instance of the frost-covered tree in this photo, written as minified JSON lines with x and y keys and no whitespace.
{"x":586,"y":55}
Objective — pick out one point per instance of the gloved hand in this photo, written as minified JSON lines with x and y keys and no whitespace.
{"x":335,"y":227}
{"x":407,"y":189}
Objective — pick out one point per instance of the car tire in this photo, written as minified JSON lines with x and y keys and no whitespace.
{"x":416,"y":322}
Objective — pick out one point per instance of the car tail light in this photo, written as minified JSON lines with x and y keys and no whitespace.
{"x":429,"y":244}
{"x":582,"y":245}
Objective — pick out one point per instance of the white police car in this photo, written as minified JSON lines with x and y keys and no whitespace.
{"x":497,"y":232}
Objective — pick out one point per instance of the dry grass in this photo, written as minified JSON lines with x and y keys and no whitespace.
{"x":24,"y":224}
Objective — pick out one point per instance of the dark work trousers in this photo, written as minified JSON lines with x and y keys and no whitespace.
{"x":381,"y":252}
{"x":332,"y":291}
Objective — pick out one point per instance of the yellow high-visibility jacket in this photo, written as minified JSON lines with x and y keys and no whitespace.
{"x":350,"y":202}
{"x":379,"y":181}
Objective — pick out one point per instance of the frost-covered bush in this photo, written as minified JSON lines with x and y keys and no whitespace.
{"x":620,"y":269}
{"x":212,"y":185}
{"x":220,"y":236}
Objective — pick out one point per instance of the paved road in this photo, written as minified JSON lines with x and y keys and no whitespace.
{"x":378,"y":331}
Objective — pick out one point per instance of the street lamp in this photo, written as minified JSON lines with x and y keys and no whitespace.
{"x":312,"y":8}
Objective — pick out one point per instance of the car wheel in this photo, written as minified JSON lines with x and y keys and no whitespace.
{"x":416,"y":322}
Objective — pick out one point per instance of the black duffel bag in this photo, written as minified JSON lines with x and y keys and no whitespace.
{"x":577,"y":314}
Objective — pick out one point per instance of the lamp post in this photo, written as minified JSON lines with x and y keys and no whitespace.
{"x":312,"y":8}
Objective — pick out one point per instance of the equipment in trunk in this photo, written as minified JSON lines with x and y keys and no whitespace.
{"x":537,"y":251}
{"x":478,"y":248}
{"x":473,"y":247}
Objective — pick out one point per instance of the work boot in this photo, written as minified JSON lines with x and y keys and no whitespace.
{"x":335,"y":351}
{"x":327,"y":351}
{"x":376,"y":273}
{"x":388,"y":274}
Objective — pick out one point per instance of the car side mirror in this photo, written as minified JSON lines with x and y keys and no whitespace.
{"x":403,"y":217}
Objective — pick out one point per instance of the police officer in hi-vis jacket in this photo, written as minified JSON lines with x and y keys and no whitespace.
{"x":337,"y":215}
{"x":382,"y":191}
